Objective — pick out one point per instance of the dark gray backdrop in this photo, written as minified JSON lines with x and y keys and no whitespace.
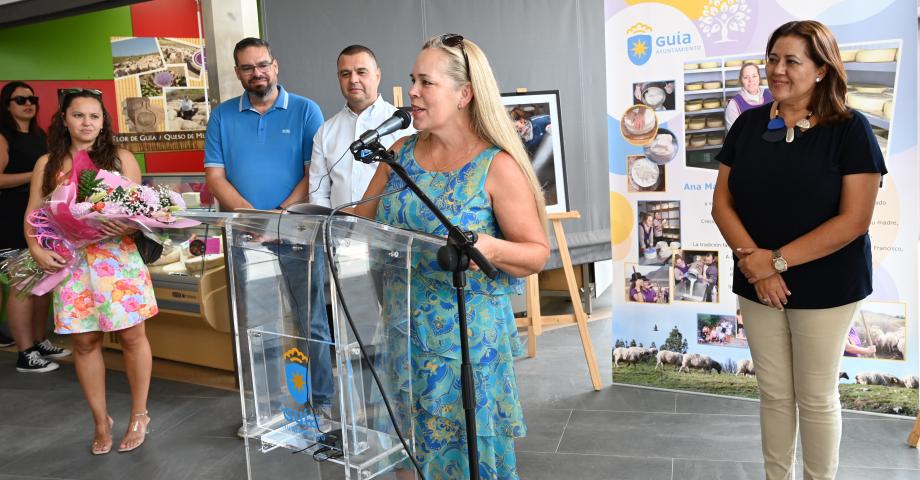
{"x":536,"y":44}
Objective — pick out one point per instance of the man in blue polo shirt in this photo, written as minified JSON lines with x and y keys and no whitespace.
{"x":258,"y":145}
{"x":257,"y":155}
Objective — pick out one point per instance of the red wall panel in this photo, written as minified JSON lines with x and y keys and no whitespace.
{"x":165,"y":18}
{"x":169,"y":18}
{"x":158,"y":18}
{"x":175,"y":162}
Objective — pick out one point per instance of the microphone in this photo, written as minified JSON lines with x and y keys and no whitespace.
{"x":400,"y":120}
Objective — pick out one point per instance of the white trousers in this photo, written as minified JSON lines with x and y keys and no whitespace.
{"x":796,"y":356}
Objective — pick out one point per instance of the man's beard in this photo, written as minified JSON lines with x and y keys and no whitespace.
{"x":263,"y":91}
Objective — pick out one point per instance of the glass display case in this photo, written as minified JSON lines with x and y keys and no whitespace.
{"x":191,"y":186}
{"x":274,"y":260}
{"x":190,"y":283}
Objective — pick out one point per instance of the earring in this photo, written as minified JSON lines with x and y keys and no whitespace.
{"x":460,"y":106}
{"x":817,"y":79}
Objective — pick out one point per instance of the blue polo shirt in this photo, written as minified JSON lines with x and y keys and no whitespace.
{"x":263,"y":155}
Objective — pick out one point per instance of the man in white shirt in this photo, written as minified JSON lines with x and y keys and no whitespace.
{"x":335,"y":177}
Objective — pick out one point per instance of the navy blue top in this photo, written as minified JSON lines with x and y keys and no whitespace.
{"x":782,"y":191}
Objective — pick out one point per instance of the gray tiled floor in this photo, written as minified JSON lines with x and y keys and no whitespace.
{"x":574,"y":433}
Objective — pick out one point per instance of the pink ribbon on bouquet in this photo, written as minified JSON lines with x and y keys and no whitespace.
{"x":59,"y":230}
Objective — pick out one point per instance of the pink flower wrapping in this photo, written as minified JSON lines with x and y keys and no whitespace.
{"x":64,"y":225}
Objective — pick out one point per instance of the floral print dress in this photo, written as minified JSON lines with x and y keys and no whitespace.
{"x":108,"y":288}
{"x":432,"y":370}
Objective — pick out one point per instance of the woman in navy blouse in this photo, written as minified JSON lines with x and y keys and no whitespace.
{"x":797,"y":184}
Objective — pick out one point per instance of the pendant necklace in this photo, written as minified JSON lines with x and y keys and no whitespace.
{"x":775,"y":128}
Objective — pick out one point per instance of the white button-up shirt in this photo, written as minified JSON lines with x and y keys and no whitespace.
{"x":335,"y":177}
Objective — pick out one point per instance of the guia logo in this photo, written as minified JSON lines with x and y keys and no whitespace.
{"x":297,"y":375}
{"x":639,"y":43}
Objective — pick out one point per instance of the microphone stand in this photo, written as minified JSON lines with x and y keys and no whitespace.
{"x":454,"y":257}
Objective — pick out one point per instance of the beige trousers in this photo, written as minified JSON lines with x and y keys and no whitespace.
{"x":796,"y":356}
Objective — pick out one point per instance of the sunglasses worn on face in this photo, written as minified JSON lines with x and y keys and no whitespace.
{"x":67,"y":92}
{"x":21,"y":100}
{"x":454,"y":40}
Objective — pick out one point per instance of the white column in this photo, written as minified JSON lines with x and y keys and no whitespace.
{"x":226,"y":22}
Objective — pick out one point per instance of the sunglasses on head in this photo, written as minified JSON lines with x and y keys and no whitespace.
{"x":21,"y":100}
{"x":64,"y":93}
{"x":454,"y":40}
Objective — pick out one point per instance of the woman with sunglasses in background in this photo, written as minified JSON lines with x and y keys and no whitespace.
{"x":470,"y":160}
{"x":109,"y":288}
{"x":21,"y":143}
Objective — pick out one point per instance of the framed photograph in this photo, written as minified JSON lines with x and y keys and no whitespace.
{"x":538,"y":122}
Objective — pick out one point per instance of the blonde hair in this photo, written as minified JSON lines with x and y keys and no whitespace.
{"x":488,"y":117}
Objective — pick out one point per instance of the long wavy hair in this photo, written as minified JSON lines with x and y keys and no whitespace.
{"x":828,"y":101}
{"x":488,"y":117}
{"x":103,"y":152}
{"x":8,"y":124}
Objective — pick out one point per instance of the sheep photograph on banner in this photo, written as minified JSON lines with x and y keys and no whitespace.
{"x":679,"y":76}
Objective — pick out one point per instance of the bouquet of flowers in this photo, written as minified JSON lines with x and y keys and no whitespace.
{"x":74,"y":213}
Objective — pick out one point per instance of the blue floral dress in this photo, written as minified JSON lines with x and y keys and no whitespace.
{"x":432,"y":370}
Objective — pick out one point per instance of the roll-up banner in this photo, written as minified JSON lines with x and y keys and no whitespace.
{"x":672,"y":68}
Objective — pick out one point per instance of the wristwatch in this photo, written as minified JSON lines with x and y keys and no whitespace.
{"x":779,"y":263}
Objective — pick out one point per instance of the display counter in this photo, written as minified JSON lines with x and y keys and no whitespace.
{"x":190,"y":283}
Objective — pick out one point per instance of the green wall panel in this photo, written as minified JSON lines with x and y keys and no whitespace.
{"x":142,"y":161}
{"x":73,"y":48}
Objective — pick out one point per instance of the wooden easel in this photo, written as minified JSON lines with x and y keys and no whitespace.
{"x":914,"y":436}
{"x":534,"y":321}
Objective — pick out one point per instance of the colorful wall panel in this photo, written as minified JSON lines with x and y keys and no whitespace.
{"x":77,"y":52}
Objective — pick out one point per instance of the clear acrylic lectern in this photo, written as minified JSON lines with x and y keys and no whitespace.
{"x":284,"y":364}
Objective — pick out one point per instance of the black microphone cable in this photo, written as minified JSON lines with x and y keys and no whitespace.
{"x":327,"y":234}
{"x":326,"y":175}
{"x":296,"y":307}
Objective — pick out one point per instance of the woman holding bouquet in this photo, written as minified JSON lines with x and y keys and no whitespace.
{"x":108,"y":288}
{"x":21,"y":143}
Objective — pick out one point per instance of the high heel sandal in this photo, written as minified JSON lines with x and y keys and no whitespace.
{"x":98,"y":448}
{"x":136,"y":427}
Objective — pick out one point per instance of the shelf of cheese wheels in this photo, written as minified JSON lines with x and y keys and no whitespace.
{"x":705,"y":140}
{"x":875,"y":98}
{"x":190,"y":284}
{"x":704,"y":105}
